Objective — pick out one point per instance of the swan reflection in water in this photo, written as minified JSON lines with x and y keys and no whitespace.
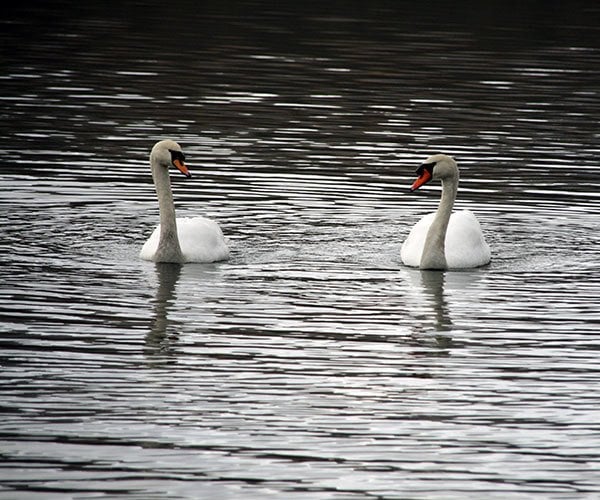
{"x":431,"y":296}
{"x":432,"y":283}
{"x":199,"y":283}
{"x":163,"y":332}
{"x":426,"y":300}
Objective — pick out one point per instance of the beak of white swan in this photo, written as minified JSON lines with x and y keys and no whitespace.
{"x":180,"y":165}
{"x":425,"y":174}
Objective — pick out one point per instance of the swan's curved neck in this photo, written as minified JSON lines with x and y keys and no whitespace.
{"x":168,"y":245}
{"x":434,"y":251}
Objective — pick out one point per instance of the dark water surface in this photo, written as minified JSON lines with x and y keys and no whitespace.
{"x":313,"y":364}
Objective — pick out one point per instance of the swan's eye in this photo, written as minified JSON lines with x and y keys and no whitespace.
{"x":177,"y":155}
{"x":426,"y":166}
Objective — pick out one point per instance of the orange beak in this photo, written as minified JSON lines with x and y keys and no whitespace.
{"x":181,"y":167}
{"x":424,"y":178}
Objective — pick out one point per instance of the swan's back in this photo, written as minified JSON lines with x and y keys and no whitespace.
{"x":465,"y":245}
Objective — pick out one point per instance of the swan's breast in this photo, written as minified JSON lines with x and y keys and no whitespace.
{"x":465,"y":245}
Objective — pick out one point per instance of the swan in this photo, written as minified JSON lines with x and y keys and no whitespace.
{"x":444,"y":240}
{"x":179,"y":240}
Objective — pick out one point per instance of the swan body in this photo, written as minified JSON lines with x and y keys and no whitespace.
{"x":200,"y":240}
{"x":179,"y":240}
{"x":444,"y":240}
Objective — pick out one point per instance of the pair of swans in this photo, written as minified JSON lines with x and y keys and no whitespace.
{"x":440,"y":240}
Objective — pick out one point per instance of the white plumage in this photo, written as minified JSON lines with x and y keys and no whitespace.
{"x":444,"y":240}
{"x":180,"y":240}
{"x":200,"y":240}
{"x":464,"y":245}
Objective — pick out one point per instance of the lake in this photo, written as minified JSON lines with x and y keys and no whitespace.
{"x":313,"y":364}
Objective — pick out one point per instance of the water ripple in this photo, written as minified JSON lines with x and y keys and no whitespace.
{"x":312,"y":363}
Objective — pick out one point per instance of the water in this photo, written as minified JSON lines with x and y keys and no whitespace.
{"x":312,"y":364}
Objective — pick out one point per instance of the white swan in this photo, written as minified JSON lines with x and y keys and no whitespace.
{"x":444,"y":240}
{"x":179,"y":240}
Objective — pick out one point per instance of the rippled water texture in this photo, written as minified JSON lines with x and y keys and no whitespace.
{"x":312,"y":364}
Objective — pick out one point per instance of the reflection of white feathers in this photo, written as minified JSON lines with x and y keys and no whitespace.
{"x":200,"y":240}
{"x":465,"y":246}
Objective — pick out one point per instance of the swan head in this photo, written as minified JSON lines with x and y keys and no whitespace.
{"x":168,"y":153}
{"x":436,"y":167}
